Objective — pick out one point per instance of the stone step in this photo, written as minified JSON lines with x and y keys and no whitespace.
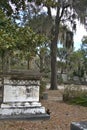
{"x":31,"y":117}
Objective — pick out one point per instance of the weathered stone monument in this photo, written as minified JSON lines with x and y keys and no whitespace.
{"x":21,"y":96}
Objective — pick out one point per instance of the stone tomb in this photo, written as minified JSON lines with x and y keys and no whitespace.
{"x":21,"y":97}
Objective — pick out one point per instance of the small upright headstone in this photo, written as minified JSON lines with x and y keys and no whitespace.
{"x":45,"y":95}
{"x":79,"y":125}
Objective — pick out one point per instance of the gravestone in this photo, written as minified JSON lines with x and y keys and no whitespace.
{"x":21,"y":97}
{"x":64,"y":77}
{"x":79,"y":125}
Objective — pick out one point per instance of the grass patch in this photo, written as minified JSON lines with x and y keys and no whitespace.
{"x":80,"y":101}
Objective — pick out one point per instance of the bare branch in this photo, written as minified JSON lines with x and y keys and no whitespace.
{"x":63,"y":9}
{"x":49,"y":12}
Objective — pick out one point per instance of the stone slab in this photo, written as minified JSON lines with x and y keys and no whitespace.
{"x":20,"y":104}
{"x":31,"y":117}
{"x":20,"y":93}
{"x":79,"y":125}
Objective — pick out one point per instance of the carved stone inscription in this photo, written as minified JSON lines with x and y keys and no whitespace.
{"x":21,"y":92}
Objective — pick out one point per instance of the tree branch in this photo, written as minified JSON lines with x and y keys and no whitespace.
{"x":49,"y":12}
{"x":63,"y":9}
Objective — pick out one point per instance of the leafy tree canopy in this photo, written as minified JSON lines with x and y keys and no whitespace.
{"x":13,"y":37}
{"x":7,"y":31}
{"x":79,"y":6}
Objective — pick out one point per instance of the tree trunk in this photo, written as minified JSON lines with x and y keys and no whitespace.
{"x":54,"y":56}
{"x":2,"y":63}
{"x":53,"y":65}
{"x":28,"y":63}
{"x":2,"y":82}
{"x":9,"y":63}
{"x":41,"y":63}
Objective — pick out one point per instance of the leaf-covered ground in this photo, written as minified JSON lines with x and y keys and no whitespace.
{"x":60,"y":118}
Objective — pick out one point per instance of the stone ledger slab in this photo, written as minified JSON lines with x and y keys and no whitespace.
{"x":79,"y":125}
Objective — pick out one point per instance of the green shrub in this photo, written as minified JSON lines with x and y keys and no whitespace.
{"x":80,"y":101}
{"x":75,"y":94}
{"x":42,"y":87}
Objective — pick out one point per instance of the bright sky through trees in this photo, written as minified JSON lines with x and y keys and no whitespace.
{"x":80,"y":32}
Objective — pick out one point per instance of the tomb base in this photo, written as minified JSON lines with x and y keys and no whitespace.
{"x":28,"y":117}
{"x":23,"y":111}
{"x":21,"y":108}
